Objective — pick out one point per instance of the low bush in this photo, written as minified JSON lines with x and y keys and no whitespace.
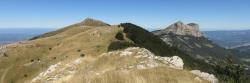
{"x":5,"y":55}
{"x":79,"y":50}
{"x":32,"y":60}
{"x":25,"y":75}
{"x":82,"y":55}
{"x":119,"y":36}
{"x":119,"y":45}
{"x":54,"y":58}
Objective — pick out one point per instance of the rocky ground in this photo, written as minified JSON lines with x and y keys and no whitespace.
{"x":126,"y":62}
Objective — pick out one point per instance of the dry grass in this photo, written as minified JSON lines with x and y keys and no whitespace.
{"x":155,"y":75}
{"x":112,"y":69}
{"x":25,"y":61}
{"x":63,"y":46}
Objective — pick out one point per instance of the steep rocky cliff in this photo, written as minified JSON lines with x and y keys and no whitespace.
{"x":190,"y":40}
{"x":179,"y":28}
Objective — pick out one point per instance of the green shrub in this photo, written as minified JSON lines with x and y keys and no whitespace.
{"x":82,"y":55}
{"x":38,"y":59}
{"x":119,"y":36}
{"x":79,"y":50}
{"x":25,"y":75}
{"x":32,"y":60}
{"x":5,"y":55}
{"x":54,"y":58}
{"x":119,"y":45}
{"x":98,"y":46}
{"x":229,"y":72}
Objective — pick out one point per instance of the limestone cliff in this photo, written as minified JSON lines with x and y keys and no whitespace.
{"x":180,"y":28}
{"x":188,"y":39}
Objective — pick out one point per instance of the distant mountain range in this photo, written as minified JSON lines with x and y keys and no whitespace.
{"x":235,"y":39}
{"x":229,"y":39}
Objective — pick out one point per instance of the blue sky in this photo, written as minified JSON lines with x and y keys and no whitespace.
{"x":151,"y":14}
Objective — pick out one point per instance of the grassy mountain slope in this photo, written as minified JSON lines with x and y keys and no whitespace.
{"x":40,"y":53}
{"x":83,"y":44}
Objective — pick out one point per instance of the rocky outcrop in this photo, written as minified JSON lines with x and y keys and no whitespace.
{"x":180,"y":28}
{"x":205,"y":76}
{"x":174,"y":62}
{"x":124,"y":62}
{"x":57,"y":72}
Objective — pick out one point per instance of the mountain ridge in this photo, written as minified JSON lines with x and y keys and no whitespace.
{"x":96,"y":51}
{"x":84,"y":45}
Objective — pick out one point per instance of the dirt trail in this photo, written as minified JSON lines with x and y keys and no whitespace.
{"x":4,"y":74}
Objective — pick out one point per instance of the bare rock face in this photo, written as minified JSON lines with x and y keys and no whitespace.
{"x":151,"y":60}
{"x":93,"y":22}
{"x":205,"y":76}
{"x":180,"y":28}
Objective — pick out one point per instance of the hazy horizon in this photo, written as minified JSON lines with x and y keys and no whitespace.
{"x":55,"y":28}
{"x":153,"y":15}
